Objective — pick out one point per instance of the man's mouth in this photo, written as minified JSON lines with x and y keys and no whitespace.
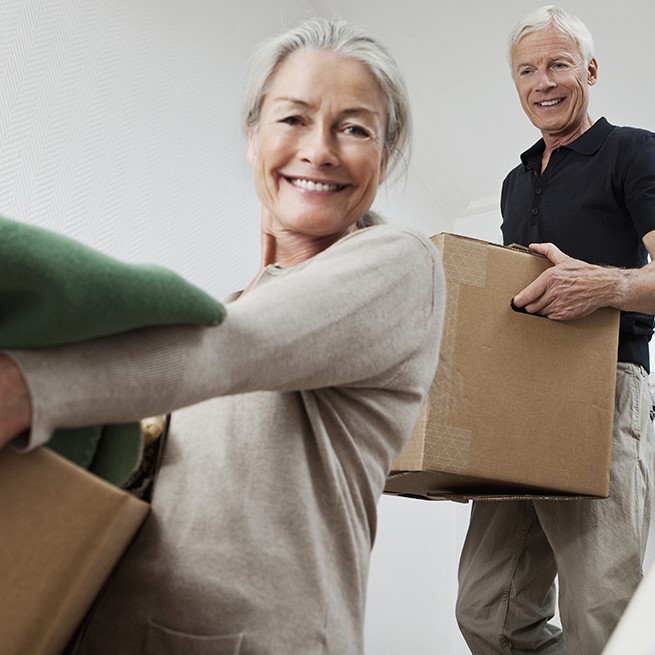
{"x":310,"y":185}
{"x":549,"y":103}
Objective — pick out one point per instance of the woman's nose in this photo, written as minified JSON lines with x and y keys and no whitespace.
{"x":319,"y":147}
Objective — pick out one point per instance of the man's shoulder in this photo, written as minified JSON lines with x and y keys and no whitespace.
{"x":629,"y":134}
{"x":629,"y":148}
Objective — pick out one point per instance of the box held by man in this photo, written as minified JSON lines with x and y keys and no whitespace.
{"x":521,"y":405}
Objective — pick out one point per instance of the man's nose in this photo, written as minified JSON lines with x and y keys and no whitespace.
{"x":545,"y":80}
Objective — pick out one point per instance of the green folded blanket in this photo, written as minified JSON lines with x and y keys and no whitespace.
{"x":55,"y":290}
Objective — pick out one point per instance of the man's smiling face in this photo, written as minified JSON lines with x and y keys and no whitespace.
{"x":552,"y":81}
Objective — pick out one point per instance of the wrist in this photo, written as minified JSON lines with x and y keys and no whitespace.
{"x":619,"y":291}
{"x":15,"y":401}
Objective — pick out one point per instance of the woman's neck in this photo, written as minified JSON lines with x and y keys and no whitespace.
{"x":284,"y":248}
{"x":289,"y":249}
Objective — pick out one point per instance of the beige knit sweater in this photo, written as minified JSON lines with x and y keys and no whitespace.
{"x":265,"y":511}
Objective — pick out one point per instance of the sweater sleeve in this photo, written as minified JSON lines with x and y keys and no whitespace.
{"x":350,"y":316}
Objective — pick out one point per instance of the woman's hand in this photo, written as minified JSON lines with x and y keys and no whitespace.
{"x":15,"y":403}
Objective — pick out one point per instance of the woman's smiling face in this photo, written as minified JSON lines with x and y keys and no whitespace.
{"x":318,"y":149}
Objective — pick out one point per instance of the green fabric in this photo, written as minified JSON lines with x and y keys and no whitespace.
{"x":118,"y":453}
{"x":112,"y":452}
{"x":55,"y":290}
{"x":77,"y":444}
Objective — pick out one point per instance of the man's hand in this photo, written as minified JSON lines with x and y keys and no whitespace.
{"x":570,"y":288}
{"x":15,"y":404}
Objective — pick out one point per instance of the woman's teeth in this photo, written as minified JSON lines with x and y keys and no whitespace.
{"x":315,"y":186}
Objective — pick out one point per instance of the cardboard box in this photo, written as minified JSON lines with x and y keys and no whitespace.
{"x":520,"y":404}
{"x":62,"y":532}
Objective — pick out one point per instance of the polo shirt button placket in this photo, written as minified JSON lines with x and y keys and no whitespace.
{"x":536,"y":200}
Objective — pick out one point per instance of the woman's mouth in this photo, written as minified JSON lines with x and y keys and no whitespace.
{"x":311,"y":185}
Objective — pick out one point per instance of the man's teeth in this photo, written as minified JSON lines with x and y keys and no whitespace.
{"x":550,"y":103}
{"x":315,"y":186}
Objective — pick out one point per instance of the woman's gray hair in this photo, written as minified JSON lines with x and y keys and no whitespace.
{"x":564,"y":22}
{"x":350,"y":42}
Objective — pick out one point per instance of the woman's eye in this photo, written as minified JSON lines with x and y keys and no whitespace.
{"x":356,"y":130}
{"x":291,"y":120}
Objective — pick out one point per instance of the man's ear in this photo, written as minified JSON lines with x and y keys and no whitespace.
{"x":592,"y":72}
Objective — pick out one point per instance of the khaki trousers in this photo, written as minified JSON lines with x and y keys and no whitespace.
{"x":515,"y":549}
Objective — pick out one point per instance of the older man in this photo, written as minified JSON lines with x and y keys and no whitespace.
{"x":588,"y":187}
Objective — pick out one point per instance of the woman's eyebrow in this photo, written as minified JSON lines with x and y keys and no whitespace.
{"x":290,"y":100}
{"x":362,"y":109}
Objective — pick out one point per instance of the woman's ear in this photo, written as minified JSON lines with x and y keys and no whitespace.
{"x":252,"y":146}
{"x":383,"y":167}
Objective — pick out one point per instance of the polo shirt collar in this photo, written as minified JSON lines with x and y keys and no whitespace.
{"x":587,"y":143}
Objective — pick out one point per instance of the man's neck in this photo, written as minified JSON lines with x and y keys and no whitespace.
{"x":555,"y":141}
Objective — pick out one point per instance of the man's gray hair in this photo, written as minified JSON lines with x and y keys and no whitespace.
{"x":350,"y":42}
{"x":564,"y":22}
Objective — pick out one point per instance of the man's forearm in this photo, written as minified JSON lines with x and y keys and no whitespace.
{"x":635,"y":289}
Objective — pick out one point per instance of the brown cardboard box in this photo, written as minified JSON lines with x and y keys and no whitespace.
{"x":62,"y":530}
{"x":520,"y":404}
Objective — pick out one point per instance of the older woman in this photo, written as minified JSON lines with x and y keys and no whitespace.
{"x":265,"y":511}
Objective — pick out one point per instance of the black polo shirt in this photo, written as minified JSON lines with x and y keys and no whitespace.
{"x":595,"y":201}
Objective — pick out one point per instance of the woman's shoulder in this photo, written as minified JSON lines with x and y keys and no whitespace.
{"x":392,"y":238}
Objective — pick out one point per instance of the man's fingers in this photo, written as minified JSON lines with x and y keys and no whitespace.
{"x":550,"y":250}
{"x":531,"y":293}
